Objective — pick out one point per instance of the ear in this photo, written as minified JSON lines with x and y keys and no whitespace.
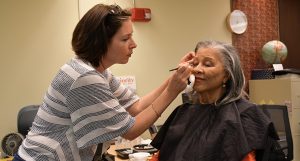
{"x":226,"y":77}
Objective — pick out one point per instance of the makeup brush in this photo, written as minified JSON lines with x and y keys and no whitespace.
{"x":190,"y":63}
{"x":173,"y":69}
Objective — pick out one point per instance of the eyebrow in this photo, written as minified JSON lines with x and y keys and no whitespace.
{"x":126,"y":35}
{"x":209,"y":58}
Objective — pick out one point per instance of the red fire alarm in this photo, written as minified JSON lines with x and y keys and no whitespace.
{"x":141,"y":14}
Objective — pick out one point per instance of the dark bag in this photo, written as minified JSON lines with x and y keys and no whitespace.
{"x":276,"y":152}
{"x":272,"y":152}
{"x":108,"y":157}
{"x":103,"y":157}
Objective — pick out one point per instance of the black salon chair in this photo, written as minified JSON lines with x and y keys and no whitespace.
{"x":280,"y":118}
{"x":25,"y":118}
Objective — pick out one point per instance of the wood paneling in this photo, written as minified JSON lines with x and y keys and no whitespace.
{"x":289,"y":27}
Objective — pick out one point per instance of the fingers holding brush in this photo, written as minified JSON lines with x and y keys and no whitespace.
{"x":180,"y":76}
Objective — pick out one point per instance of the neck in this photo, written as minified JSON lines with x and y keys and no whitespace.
{"x":102,"y":67}
{"x":211,"y":97}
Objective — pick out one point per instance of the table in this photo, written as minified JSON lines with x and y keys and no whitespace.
{"x":112,"y":151}
{"x":7,"y":159}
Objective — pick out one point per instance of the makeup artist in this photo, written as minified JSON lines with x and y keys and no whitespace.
{"x":85,"y":104}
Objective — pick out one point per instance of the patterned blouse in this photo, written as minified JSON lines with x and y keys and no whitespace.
{"x":81,"y":109}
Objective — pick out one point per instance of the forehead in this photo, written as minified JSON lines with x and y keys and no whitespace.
{"x":210,"y":53}
{"x":126,"y":28}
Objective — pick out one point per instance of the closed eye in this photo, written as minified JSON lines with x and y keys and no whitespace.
{"x":125,"y":39}
{"x":208,"y":64}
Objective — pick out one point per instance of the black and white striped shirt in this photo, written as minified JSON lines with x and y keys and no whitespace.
{"x":81,"y":108}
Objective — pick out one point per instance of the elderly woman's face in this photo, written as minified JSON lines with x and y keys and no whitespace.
{"x":209,"y":72}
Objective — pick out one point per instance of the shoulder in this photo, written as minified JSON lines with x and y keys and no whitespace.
{"x":244,"y":105}
{"x":75,"y":69}
{"x":250,"y":111}
{"x":179,"y":111}
{"x":83,"y":73}
{"x":185,"y":107}
{"x":78,"y":65}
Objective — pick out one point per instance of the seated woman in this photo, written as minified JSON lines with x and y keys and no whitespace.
{"x":219,"y":124}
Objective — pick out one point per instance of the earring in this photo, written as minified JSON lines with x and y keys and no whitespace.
{"x":224,"y":85}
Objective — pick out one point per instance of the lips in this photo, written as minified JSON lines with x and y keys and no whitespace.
{"x":200,"y":77}
{"x":199,"y":80}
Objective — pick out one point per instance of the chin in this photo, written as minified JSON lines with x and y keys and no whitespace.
{"x":124,"y":62}
{"x":198,"y":89}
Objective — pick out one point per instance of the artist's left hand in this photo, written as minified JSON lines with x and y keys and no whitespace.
{"x":188,"y":57}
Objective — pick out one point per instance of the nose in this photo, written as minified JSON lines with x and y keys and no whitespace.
{"x":198,"y":69}
{"x":133,"y":44}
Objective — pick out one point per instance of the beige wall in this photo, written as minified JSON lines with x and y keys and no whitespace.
{"x":35,"y":41}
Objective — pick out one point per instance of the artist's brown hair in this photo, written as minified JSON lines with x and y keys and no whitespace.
{"x":94,"y":32}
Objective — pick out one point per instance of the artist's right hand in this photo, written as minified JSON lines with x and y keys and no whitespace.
{"x":178,"y":80}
